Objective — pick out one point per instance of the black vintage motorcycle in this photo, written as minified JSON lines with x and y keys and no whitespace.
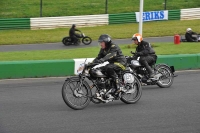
{"x":92,"y":85}
{"x":82,"y":38}
{"x":164,"y":74}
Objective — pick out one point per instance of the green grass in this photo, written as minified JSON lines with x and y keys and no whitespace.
{"x":31,"y":8}
{"x":160,"y":48}
{"x":117,"y":31}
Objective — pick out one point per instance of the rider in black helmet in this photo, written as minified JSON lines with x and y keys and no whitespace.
{"x":73,"y":35}
{"x":112,"y":53}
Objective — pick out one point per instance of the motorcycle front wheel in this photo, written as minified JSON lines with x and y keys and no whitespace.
{"x":135,"y":96}
{"x":75,"y":96}
{"x":167,"y":78}
{"x":86,"y":40}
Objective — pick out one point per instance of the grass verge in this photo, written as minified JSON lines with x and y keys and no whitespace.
{"x":31,"y":8}
{"x":117,"y":31}
{"x":160,"y":48}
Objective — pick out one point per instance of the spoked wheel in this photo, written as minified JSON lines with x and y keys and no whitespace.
{"x":86,"y":40}
{"x":75,"y":96}
{"x":167,"y":78}
{"x":66,"y":41}
{"x":134,"y":94}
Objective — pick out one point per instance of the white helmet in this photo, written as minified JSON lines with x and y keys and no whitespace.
{"x":137,"y":37}
{"x":188,"y":29}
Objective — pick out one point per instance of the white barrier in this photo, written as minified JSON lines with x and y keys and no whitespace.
{"x":190,"y":14}
{"x":67,"y":21}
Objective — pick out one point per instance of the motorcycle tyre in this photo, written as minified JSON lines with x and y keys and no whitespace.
{"x":65,"y":41}
{"x":139,"y":94}
{"x":68,"y":103}
{"x":86,"y":42}
{"x":171,"y":74}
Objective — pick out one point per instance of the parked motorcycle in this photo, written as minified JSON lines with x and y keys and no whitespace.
{"x":164,"y":74}
{"x":92,"y":85}
{"x":82,"y":38}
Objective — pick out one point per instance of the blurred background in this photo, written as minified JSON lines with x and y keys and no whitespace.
{"x":52,"y":8}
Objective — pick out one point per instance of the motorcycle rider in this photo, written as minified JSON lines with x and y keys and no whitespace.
{"x":73,"y":35}
{"x":145,"y":52}
{"x":112,"y":53}
{"x":191,"y":36}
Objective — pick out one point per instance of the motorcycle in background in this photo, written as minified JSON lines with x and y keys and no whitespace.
{"x":164,"y":74}
{"x":82,"y":38}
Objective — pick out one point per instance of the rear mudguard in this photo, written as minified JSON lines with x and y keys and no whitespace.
{"x":171,"y":68}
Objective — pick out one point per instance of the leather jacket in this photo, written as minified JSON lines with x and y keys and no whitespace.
{"x":112,"y":53}
{"x":189,"y":38}
{"x":145,"y":49}
{"x":73,"y":33}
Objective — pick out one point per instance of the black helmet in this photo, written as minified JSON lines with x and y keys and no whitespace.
{"x":73,"y":26}
{"x":104,"y":38}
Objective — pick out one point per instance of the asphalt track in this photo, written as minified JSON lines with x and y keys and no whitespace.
{"x":36,"y":106}
{"x":57,"y":46}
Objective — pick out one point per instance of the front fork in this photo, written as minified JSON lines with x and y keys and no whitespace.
{"x":78,"y":92}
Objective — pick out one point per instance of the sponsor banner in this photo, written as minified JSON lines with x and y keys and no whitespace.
{"x":153,"y":16}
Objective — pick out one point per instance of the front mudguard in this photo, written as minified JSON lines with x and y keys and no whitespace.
{"x":77,"y":79}
{"x":73,"y":78}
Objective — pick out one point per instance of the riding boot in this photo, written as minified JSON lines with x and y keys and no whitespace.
{"x":151,"y":74}
{"x":148,"y":68}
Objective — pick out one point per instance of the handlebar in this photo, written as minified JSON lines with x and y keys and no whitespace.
{"x":92,"y":64}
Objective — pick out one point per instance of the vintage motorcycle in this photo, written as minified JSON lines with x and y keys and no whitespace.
{"x":164,"y":74}
{"x":82,"y":38}
{"x":92,"y":85}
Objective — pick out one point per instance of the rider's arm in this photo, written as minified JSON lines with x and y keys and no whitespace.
{"x":77,"y":30}
{"x":146,"y":49}
{"x":189,"y":37}
{"x":111,"y":54}
{"x":100,"y":55}
{"x":193,"y":33}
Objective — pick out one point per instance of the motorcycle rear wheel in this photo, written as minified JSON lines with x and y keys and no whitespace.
{"x":86,"y":40}
{"x":166,"y":75}
{"x":66,"y":41}
{"x":75,"y":98}
{"x":135,"y":97}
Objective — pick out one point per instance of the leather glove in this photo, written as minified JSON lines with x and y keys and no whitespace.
{"x":98,"y":60}
{"x":138,"y":54}
{"x":101,"y":60}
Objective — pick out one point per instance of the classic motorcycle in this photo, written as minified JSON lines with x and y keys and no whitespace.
{"x":164,"y":74}
{"x":92,"y":85}
{"x":82,"y":38}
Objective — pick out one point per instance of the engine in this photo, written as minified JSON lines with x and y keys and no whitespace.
{"x":101,"y":83}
